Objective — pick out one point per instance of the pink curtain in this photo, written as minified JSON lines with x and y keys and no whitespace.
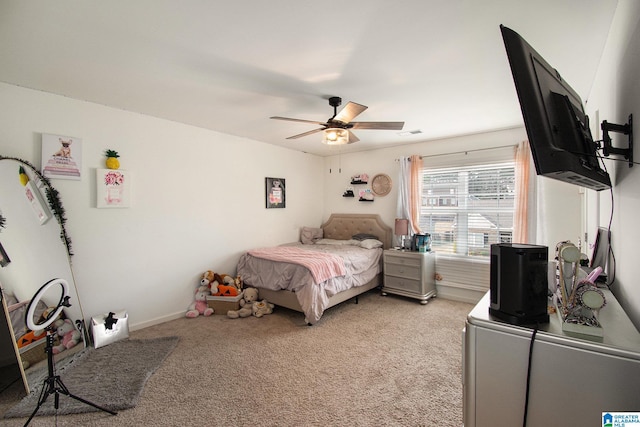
{"x":522,"y":169}
{"x":415,"y":197}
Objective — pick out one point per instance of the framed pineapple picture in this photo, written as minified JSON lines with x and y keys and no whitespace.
{"x":61,"y":156}
{"x":113,"y":188}
{"x":275,"y":193}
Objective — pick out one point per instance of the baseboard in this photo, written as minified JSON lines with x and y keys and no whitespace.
{"x":157,"y":321}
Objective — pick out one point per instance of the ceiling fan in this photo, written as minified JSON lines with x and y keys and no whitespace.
{"x":337,"y":130}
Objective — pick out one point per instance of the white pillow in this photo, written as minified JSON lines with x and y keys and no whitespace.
{"x":370,"y":244}
{"x":310,"y":235}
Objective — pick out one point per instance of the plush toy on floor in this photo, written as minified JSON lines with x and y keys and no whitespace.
{"x":261,"y":308}
{"x":249,"y":296}
{"x":199,"y":306}
{"x":68,"y":334}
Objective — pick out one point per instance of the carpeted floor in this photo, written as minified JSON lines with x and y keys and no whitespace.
{"x":386,"y":361}
{"x":111,"y":377}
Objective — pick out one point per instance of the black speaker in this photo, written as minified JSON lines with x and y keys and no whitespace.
{"x":519,"y":283}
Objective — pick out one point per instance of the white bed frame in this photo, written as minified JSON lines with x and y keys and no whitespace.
{"x":340,"y":227}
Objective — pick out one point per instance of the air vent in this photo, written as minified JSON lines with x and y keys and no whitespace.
{"x":410,"y":132}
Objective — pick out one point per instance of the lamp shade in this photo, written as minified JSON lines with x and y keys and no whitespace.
{"x":401,"y":227}
{"x":333,"y":136}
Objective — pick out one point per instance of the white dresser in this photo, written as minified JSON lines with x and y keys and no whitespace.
{"x":574,"y":378}
{"x":410,"y":274}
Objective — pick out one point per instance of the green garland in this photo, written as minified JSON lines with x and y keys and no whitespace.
{"x":53,"y":197}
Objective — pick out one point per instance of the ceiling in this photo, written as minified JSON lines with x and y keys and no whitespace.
{"x":437,"y":65}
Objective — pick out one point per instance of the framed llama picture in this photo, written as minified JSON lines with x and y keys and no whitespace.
{"x":113,"y":188}
{"x":275,"y":193}
{"x":61,"y":156}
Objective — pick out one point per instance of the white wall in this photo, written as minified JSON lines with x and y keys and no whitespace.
{"x":198,"y":200}
{"x":558,"y":224}
{"x":198,"y":203}
{"x":615,"y":95}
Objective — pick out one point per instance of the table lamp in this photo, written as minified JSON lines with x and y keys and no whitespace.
{"x":402,"y":229}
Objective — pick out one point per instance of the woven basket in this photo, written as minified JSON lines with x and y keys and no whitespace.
{"x":34,"y":352}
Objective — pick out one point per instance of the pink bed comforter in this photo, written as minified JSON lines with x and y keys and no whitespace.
{"x":360,"y":266}
{"x":322,"y":266}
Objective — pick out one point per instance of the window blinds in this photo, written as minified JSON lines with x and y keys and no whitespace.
{"x":466,"y":208}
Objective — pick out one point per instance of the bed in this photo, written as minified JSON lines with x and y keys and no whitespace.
{"x":298,"y":287}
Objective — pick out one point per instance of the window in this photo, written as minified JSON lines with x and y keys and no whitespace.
{"x":467,"y":209}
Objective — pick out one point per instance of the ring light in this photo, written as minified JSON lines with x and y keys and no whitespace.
{"x":64,"y":302}
{"x":570,"y":253}
{"x":53,"y":383}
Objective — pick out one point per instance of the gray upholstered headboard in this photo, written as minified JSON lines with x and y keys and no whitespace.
{"x":343,"y":226}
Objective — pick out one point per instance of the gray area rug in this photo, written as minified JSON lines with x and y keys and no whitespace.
{"x":112,"y":377}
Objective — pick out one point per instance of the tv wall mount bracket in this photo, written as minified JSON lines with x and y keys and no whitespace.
{"x":608,"y":147}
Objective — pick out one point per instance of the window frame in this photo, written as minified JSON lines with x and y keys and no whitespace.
{"x":457,"y":203}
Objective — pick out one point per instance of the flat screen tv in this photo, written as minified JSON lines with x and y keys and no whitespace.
{"x":557,"y":126}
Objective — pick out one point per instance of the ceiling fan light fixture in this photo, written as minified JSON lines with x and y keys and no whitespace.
{"x":334,"y":136}
{"x":337,"y":130}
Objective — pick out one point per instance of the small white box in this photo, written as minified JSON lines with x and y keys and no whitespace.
{"x":103,"y":335}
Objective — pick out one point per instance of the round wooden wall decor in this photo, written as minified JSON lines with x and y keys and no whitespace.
{"x":381,"y":184}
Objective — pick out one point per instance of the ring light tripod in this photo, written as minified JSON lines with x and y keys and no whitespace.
{"x":53,"y":384}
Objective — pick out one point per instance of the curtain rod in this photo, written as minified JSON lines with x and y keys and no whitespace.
{"x":464,"y":151}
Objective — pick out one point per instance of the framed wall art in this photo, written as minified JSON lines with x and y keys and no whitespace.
{"x":37,"y":202}
{"x":275,"y":193}
{"x":113,"y":188}
{"x":61,"y":156}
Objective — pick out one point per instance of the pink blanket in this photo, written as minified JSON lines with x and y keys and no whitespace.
{"x":323,"y":266}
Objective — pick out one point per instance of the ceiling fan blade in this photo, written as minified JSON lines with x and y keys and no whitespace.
{"x":297,"y":120}
{"x":353,"y":137}
{"x":306,"y":133}
{"x":349,"y":112}
{"x":378,"y":125}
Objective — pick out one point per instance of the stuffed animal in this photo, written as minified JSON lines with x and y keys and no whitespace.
{"x":215,"y":280}
{"x":226,"y":291}
{"x":30,"y":337}
{"x":249,"y":296}
{"x":224,"y":285}
{"x":199,"y":306}
{"x":207,"y":279}
{"x":261,"y":308}
{"x":228,"y":280}
{"x":235,"y":281}
{"x":69,"y":335}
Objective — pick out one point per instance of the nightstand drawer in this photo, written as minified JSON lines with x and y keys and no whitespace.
{"x":405,"y":284}
{"x":403,"y":260}
{"x":407,"y":271}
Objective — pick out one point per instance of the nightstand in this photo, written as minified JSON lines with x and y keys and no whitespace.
{"x":410,"y":274}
